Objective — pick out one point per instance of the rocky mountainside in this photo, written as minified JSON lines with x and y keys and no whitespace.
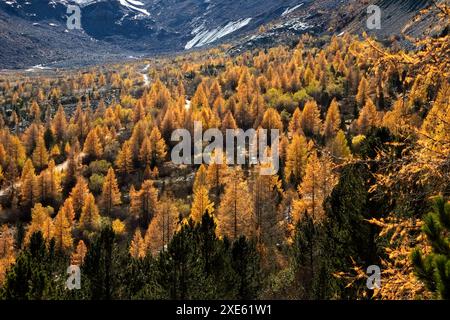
{"x":35,"y":32}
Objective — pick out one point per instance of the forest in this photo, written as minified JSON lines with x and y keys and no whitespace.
{"x":86,"y":176}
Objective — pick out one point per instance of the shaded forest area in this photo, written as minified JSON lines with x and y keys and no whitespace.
{"x":86,"y":176}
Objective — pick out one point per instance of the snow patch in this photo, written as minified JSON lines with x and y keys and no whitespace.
{"x":133,"y":5}
{"x":203,"y":37}
{"x":290,"y":10}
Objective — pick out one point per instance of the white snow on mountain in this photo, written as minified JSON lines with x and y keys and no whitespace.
{"x":204,"y":37}
{"x":290,"y":10}
{"x":133,"y":5}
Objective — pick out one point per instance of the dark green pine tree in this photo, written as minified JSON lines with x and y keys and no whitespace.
{"x":38,"y":274}
{"x":322,"y":249}
{"x":180,"y":269}
{"x":348,"y":235}
{"x":139,"y":279}
{"x":100,"y":270}
{"x":434,"y":268}
{"x":246,"y":264}
{"x":197,"y":264}
{"x":305,"y":255}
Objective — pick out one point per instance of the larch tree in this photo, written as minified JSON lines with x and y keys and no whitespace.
{"x":138,"y":112}
{"x":332,"y":121}
{"x":78,"y":256}
{"x":7,"y":254}
{"x":162,"y":227}
{"x":311,"y":122}
{"x":137,"y":246}
{"x":228,"y":123}
{"x":47,"y":186}
{"x":295,"y":124}
{"x":265,"y":191}
{"x":339,"y":147}
{"x":35,"y":111}
{"x":27,"y":182}
{"x":201,"y":203}
{"x":92,"y":146}
{"x":316,"y":186}
{"x":62,"y":231}
{"x":144,"y":203}
{"x":158,"y":147}
{"x":59,"y":124}
{"x":110,"y":192}
{"x":296,"y":159}
{"x":235,"y":215}
{"x":77,"y":195}
{"x":68,"y":211}
{"x":272,"y":120}
{"x":124,"y":161}
{"x":139,"y":133}
{"x":201,"y":178}
{"x":200,"y":99}
{"x":40,"y":154}
{"x":40,"y":221}
{"x":216,"y":173}
{"x":363,"y":92}
{"x":368,"y":117}
{"x":145,"y":153}
{"x":90,"y":216}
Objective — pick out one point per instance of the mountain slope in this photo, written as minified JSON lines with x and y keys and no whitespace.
{"x":112,"y":28}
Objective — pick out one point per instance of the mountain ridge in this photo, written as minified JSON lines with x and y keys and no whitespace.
{"x":123,"y":28}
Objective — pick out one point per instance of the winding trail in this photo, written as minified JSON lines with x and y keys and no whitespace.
{"x":145,"y":75}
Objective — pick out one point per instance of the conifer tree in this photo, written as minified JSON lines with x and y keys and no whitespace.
{"x":201,"y":203}
{"x":68,"y":211}
{"x":40,"y":154}
{"x":201,"y":178}
{"x":162,"y":227}
{"x":363,"y":92}
{"x":433,"y":268}
{"x":311,"y":122}
{"x":77,"y":195}
{"x":144,"y":203}
{"x":92,"y":147}
{"x":158,"y":147}
{"x":332,"y":120}
{"x":35,"y":111}
{"x":272,"y":120}
{"x":296,"y":159}
{"x":62,"y":231}
{"x":235,"y":215}
{"x":27,"y":183}
{"x":77,"y":257}
{"x":368,"y":117}
{"x":339,"y":147}
{"x":7,"y":254}
{"x":316,"y":186}
{"x":295,"y":124}
{"x":137,"y":246}
{"x":59,"y":124}
{"x":216,"y":173}
{"x":228,"y":123}
{"x":110,"y":192}
{"x":40,"y":222}
{"x":90,"y":217}
{"x":124,"y":161}
{"x":265,"y":191}
{"x":145,"y":153}
{"x":200,"y":100}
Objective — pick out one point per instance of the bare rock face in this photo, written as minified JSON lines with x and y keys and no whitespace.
{"x":36,"y":32}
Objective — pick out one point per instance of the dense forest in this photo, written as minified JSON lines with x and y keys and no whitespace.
{"x":86,"y":177}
